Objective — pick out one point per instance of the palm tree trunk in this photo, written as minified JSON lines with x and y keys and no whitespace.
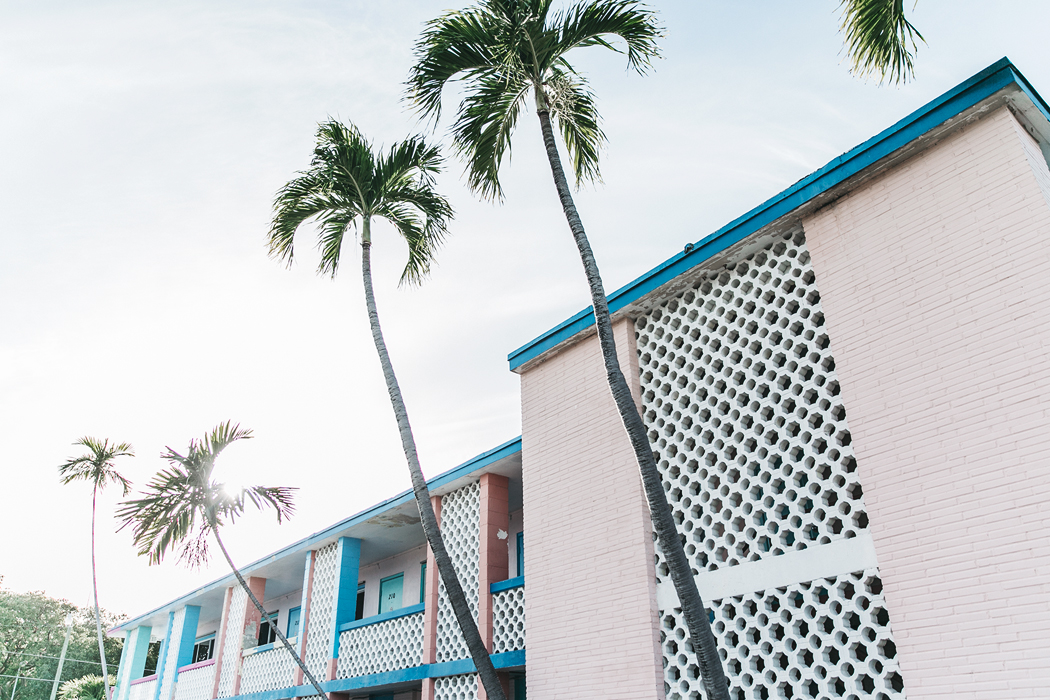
{"x":269,"y":620}
{"x":478,"y":652}
{"x":696,"y":619}
{"x":94,"y":590}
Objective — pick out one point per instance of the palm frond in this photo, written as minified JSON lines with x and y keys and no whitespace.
{"x":594,"y":22}
{"x":878,"y":36}
{"x":183,"y":503}
{"x":97,"y":466}
{"x":572,"y":105}
{"x":457,"y":45}
{"x":482,"y":131}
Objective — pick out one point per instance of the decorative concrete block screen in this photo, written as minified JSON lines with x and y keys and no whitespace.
{"x":822,"y":639}
{"x":195,"y":684}
{"x":321,"y":618}
{"x":267,"y":670}
{"x":461,"y":528}
{"x":384,"y":646}
{"x":745,"y":414}
{"x":231,"y":647}
{"x":743,"y":407}
{"x":171,"y":656}
{"x":143,"y":691}
{"x":457,"y":687}
{"x":508,"y":620}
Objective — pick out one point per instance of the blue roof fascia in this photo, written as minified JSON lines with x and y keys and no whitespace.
{"x":989,"y":81}
{"x":471,"y":465}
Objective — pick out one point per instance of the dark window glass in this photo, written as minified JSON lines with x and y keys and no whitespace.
{"x":360,"y":612}
{"x":203,"y":650}
{"x":267,"y":633}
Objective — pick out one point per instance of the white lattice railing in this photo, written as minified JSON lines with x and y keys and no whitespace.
{"x":387,"y":645}
{"x":508,"y":620}
{"x":194,"y":682}
{"x":266,"y":670}
{"x":461,"y":529}
{"x":456,"y":687}
{"x":143,"y":690}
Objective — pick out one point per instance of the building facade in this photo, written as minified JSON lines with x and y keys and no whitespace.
{"x":846,"y":389}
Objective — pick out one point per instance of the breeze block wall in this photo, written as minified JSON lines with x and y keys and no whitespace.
{"x":935,"y":282}
{"x":591,"y":598}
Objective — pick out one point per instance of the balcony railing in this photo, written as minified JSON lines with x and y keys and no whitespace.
{"x":508,"y":615}
{"x":194,"y":682}
{"x":387,"y":642}
{"x":266,"y":667}
{"x":143,"y":688}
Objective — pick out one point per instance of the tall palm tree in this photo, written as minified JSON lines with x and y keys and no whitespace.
{"x":97,"y":468}
{"x":346,"y":186}
{"x":880,"y":41}
{"x":503,"y":50}
{"x":184,"y":504}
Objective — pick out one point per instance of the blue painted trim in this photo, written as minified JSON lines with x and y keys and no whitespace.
{"x":188,"y":637}
{"x":516,"y":582}
{"x":509,"y":659}
{"x":347,"y":567}
{"x":120,"y":668}
{"x":383,"y":617}
{"x":470,"y":466}
{"x":991,"y":80}
{"x":163,"y":656}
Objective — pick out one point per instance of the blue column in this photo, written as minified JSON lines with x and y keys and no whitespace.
{"x":347,"y":565}
{"x":163,"y":656}
{"x":133,"y":659}
{"x":189,"y":635}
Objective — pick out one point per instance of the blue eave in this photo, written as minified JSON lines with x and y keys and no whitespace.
{"x":470,"y":466}
{"x":989,"y":81}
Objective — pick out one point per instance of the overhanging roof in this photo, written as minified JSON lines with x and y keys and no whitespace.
{"x":1000,"y":76}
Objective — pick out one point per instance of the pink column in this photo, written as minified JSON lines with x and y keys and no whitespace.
{"x":495,"y":519}
{"x":220,"y":642}
{"x":252,"y":618}
{"x":304,"y":607}
{"x":430,"y":609}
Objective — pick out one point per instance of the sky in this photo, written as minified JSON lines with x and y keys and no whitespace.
{"x":141,"y":144}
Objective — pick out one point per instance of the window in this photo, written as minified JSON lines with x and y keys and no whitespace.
{"x":268,"y":634}
{"x":521,"y":554}
{"x":203,"y":649}
{"x":293,"y":622}
{"x":390,"y":590}
{"x":422,"y":581}
{"x":360,"y":612}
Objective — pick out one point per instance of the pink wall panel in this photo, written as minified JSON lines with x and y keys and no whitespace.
{"x":935,"y":281}
{"x":590,"y":606}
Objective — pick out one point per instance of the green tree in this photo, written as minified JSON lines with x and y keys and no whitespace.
{"x":32,"y":628}
{"x":97,"y":468}
{"x":184,"y":505}
{"x":346,"y":186}
{"x":880,"y":40}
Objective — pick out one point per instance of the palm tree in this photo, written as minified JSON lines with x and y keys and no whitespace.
{"x":347,"y":186}
{"x":97,"y":467}
{"x":878,"y":36}
{"x":503,"y":50}
{"x":184,"y":504}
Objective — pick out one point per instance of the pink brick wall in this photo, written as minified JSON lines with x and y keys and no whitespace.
{"x":935,"y":281}
{"x":590,"y":607}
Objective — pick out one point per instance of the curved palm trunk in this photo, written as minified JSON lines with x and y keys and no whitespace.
{"x":715,"y":684}
{"x":98,"y":616}
{"x":273,"y":623}
{"x":480,"y":655}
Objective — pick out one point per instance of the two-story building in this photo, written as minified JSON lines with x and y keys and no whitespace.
{"x":848,"y":390}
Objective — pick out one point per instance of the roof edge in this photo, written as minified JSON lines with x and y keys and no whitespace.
{"x":963,"y":96}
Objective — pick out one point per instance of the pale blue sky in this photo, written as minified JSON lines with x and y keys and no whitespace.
{"x":141,"y":144}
